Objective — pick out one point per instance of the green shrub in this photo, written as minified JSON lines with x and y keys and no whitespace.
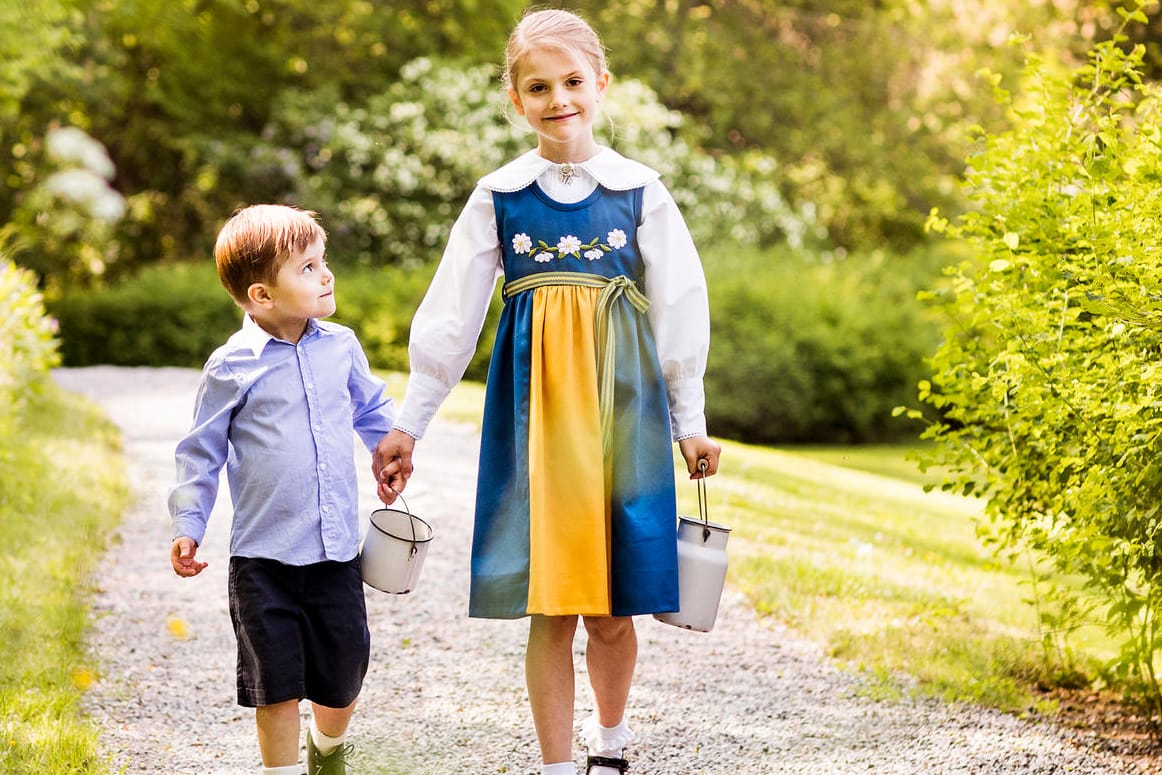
{"x":1047,"y":380}
{"x":811,"y":351}
{"x":167,"y":315}
{"x":802,"y":350}
{"x":27,"y":347}
{"x":175,"y":315}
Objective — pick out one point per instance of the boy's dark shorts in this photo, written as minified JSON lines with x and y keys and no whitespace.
{"x":302,"y":631}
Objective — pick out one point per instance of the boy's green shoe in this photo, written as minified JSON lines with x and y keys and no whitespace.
{"x":334,"y":763}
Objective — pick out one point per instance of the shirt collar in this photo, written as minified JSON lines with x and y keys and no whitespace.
{"x":254,"y":337}
{"x":607,"y":166}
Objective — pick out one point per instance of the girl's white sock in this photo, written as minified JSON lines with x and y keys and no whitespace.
{"x":290,"y":769}
{"x":605,"y":741}
{"x":324,"y":744}
{"x":609,"y":742}
{"x":560,"y":768}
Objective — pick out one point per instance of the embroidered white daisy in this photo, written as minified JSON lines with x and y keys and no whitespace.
{"x":616,"y":239}
{"x":543,"y":257}
{"x":569,"y":246}
{"x":593,"y":255}
{"x":522,"y":243}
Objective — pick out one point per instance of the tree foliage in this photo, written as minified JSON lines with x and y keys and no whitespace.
{"x":1048,"y":379}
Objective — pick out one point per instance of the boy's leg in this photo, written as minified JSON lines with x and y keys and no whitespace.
{"x":278,"y":733}
{"x":549,"y":675}
{"x":332,"y":722}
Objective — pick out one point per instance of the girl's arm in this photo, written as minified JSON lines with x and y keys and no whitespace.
{"x":679,"y":310}
{"x":448,"y":321}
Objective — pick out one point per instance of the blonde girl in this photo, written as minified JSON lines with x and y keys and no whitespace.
{"x":596,"y":371}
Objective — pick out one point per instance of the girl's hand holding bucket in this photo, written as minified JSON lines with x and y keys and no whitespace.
{"x":391,"y":464}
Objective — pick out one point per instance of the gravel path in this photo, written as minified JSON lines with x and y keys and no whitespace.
{"x":445,"y":693}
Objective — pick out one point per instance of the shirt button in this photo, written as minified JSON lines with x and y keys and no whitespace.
{"x":317,"y":427}
{"x":322,"y":466}
{"x":326,"y":509}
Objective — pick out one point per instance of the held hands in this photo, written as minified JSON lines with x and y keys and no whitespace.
{"x":700,"y":448}
{"x":181,"y":556}
{"x":391,"y":463}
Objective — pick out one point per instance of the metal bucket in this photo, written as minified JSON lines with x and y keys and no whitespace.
{"x":393,"y":550}
{"x":701,"y":569}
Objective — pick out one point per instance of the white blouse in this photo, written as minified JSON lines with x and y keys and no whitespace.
{"x":448,"y":322}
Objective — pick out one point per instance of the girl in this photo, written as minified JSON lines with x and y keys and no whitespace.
{"x":597,"y":365}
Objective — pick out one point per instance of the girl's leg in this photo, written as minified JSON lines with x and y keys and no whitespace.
{"x":549,"y":675}
{"x":278,"y":733}
{"x":611,"y":658}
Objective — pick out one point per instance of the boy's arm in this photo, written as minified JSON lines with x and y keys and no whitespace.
{"x":372,"y":410}
{"x":199,"y":458}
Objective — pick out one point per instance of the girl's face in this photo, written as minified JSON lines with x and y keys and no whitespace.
{"x":558,"y":92}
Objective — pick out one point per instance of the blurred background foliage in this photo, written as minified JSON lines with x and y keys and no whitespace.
{"x":806,"y":141}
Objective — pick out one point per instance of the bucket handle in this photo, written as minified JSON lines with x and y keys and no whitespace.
{"x":703,"y":507}
{"x":411,"y":523}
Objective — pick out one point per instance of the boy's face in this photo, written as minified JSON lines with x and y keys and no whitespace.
{"x":304,"y":288}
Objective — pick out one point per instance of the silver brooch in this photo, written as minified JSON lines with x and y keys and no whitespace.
{"x":567,"y":172}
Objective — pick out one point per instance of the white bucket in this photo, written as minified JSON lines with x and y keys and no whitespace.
{"x":393,"y":550}
{"x":701,"y":570}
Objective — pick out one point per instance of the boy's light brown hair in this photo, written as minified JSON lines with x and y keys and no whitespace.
{"x":255,"y":242}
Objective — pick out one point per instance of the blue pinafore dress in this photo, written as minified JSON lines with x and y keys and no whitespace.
{"x":575,"y":507}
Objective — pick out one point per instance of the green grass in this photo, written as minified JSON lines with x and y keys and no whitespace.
{"x":845,"y":546}
{"x":62,"y":486}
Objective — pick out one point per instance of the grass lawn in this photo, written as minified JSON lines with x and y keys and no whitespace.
{"x":844,"y":544}
{"x":62,"y":486}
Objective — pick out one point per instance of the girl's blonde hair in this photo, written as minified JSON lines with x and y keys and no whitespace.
{"x":257,"y":240}
{"x":559,"y":29}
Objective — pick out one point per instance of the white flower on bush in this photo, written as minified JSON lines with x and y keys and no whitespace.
{"x":522,"y":243}
{"x":88,"y":191}
{"x":616,"y":239}
{"x":593,"y":255}
{"x":569,"y":246}
{"x":75,"y":147}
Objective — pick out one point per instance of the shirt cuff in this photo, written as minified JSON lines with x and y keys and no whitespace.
{"x":687,"y":408}
{"x":421,"y":400}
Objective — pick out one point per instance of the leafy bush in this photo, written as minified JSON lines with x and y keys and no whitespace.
{"x":175,"y":315}
{"x":1047,"y":380}
{"x":167,"y":315}
{"x":27,"y":343}
{"x":393,"y":172}
{"x":811,"y":351}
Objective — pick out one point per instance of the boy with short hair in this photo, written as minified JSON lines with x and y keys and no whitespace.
{"x":279,"y":405}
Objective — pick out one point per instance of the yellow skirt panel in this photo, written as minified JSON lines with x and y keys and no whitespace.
{"x":568,"y":508}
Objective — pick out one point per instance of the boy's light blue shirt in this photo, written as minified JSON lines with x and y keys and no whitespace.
{"x":281,"y":418}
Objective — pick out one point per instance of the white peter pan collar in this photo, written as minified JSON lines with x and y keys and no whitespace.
{"x":607,"y":166}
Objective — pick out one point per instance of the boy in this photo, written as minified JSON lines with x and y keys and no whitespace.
{"x":277,"y":405}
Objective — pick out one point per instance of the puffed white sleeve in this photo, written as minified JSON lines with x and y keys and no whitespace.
{"x":447,"y":324}
{"x":679,"y":310}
